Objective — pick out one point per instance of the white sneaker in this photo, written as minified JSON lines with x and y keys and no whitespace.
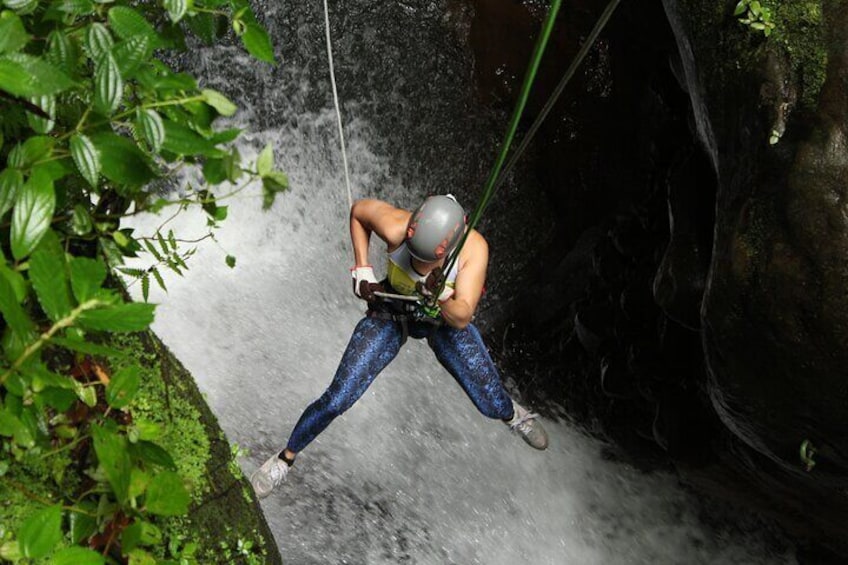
{"x":527,"y":425}
{"x":269,"y":476}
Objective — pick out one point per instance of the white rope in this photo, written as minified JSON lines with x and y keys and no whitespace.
{"x":336,"y":102}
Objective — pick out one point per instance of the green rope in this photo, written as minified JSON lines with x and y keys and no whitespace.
{"x":496,"y":178}
{"x":529,"y":76}
{"x":584,"y":50}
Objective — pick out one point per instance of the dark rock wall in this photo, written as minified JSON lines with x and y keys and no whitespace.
{"x":775,"y":311}
{"x":692,"y":300}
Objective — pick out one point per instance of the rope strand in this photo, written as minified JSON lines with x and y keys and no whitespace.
{"x":336,"y":103}
{"x":492,"y":186}
{"x":529,"y":76}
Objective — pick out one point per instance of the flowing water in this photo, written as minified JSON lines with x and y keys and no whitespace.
{"x":412,"y":473}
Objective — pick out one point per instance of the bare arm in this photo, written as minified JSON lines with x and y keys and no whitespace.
{"x":458,"y":310}
{"x":367,"y":216}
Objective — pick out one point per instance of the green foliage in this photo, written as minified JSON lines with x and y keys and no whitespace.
{"x":796,"y":28}
{"x":807,"y":452}
{"x":754,"y":15}
{"x":91,"y":114}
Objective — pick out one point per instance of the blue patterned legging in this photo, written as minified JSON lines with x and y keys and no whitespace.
{"x":375,"y":342}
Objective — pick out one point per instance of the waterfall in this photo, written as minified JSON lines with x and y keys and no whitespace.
{"x":412,"y":473}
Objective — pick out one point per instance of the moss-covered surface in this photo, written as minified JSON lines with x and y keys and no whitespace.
{"x":735,"y":49}
{"x":224,"y":518}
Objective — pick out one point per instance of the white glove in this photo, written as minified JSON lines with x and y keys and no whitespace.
{"x":365,"y":283}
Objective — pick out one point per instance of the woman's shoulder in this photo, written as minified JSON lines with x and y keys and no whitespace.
{"x":475,"y":249}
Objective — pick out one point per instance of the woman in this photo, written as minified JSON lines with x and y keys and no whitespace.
{"x":418,"y":243}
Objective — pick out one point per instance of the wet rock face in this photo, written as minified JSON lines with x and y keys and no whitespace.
{"x":605,"y":322}
{"x":693,"y":298}
{"x":775,"y":311}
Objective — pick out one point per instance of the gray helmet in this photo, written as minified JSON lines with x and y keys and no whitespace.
{"x":435,"y":228}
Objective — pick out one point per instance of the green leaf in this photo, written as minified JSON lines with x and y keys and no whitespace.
{"x":40,"y":124}
{"x":182,"y":140}
{"x":82,"y":526}
{"x":11,"y":550}
{"x":13,"y":36}
{"x":205,"y":26}
{"x":265,"y":161}
{"x":153,"y":250}
{"x":87,"y":347}
{"x":740,"y":7}
{"x":81,"y":221}
{"x":98,"y":41}
{"x":122,"y":161}
{"x":159,"y":280}
{"x":273,"y":183}
{"x":87,"y":395}
{"x":78,"y":7}
{"x":147,"y":430}
{"x":123,"y":387}
{"x":8,"y":423}
{"x":130,"y":537}
{"x":166,"y":495}
{"x":16,"y":280}
{"x":13,"y":313}
{"x":176,"y":9}
{"x":43,"y":378}
{"x":152,"y":127}
{"x":25,"y":75}
{"x":278,"y":180}
{"x":128,"y":23}
{"x":121,"y":239}
{"x":12,"y":426}
{"x":231,"y":261}
{"x":130,"y":54}
{"x":145,"y":286}
{"x":58,"y":50}
{"x":78,"y":556}
{"x":111,"y":449}
{"x":11,"y":182}
{"x":34,"y":149}
{"x":758,"y":26}
{"x":152,"y":453}
{"x":232,"y":164}
{"x":87,"y":276}
{"x":61,"y":400}
{"x":22,"y":7}
{"x":120,"y":318}
{"x":33,"y":213}
{"x":257,"y":42}
{"x":140,"y":557}
{"x":218,"y":101}
{"x":225,"y":136}
{"x":213,"y":171}
{"x":86,"y":158}
{"x":47,"y":271}
{"x":108,"y":85}
{"x":40,"y":533}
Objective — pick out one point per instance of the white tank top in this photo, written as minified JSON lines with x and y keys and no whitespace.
{"x":403,"y":277}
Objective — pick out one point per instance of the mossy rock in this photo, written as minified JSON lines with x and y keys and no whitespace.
{"x":224,"y":520}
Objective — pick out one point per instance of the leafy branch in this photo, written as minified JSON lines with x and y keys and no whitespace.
{"x":92,"y":116}
{"x":754,"y":15}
